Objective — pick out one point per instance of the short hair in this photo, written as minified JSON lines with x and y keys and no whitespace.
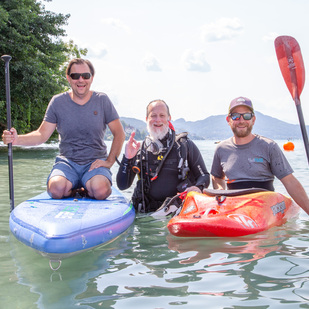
{"x":158,"y":100}
{"x":80,"y":61}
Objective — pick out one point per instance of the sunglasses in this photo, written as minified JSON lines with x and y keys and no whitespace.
{"x":78,"y":75}
{"x":245,"y":116}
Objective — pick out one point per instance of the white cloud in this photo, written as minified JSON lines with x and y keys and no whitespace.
{"x":151,"y":63}
{"x":222,"y":29}
{"x":97,"y":51}
{"x":196,"y":61}
{"x":116,"y":23}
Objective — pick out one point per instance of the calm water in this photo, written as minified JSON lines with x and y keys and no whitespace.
{"x":147,"y":267}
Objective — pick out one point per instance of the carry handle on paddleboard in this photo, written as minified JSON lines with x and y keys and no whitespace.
{"x":293,"y":71}
{"x":6,"y":59}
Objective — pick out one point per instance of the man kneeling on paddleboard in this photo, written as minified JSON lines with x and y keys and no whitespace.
{"x":166,"y":163}
{"x":80,"y":117}
{"x":249,"y":160}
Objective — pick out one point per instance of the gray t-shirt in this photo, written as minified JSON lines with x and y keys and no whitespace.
{"x":258,"y":160}
{"x":81,"y":127}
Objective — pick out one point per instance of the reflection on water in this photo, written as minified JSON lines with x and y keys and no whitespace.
{"x":146,"y":267}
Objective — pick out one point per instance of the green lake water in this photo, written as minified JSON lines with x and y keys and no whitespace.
{"x":146,"y":267}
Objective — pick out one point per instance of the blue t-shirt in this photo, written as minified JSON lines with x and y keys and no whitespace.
{"x":81,"y":127}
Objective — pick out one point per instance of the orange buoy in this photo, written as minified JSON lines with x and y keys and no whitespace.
{"x":289,"y":146}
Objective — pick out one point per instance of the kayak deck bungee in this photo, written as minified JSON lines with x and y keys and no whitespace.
{"x":59,"y":228}
{"x":230,"y":213}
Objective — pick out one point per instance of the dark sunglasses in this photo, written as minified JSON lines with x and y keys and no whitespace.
{"x":245,"y":116}
{"x":78,"y":75}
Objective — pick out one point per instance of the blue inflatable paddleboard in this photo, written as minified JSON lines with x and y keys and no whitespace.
{"x":61,"y":228}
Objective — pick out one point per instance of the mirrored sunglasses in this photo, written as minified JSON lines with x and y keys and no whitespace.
{"x":245,"y":116}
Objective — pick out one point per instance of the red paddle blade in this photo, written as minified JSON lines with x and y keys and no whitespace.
{"x":291,"y":64}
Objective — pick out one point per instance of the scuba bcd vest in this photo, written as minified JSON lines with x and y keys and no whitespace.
{"x":149,"y":169}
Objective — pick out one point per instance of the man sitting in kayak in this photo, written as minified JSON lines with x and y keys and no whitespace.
{"x":80,"y":117}
{"x":248,"y":160}
{"x":166,"y":163}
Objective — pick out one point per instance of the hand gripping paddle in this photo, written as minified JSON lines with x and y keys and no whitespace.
{"x":293,"y":71}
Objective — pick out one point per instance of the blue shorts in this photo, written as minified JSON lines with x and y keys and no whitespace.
{"x":77,"y":174}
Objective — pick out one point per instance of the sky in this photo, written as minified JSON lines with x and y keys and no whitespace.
{"x":196,"y":55}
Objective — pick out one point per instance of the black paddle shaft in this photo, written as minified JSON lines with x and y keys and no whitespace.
{"x":302,"y":127}
{"x":6,"y":59}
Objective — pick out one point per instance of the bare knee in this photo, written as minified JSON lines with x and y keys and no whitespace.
{"x":59,"y":187}
{"x":99,"y":187}
{"x":102,"y":193}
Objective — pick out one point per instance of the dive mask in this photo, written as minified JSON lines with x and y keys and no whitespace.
{"x":153,"y":145}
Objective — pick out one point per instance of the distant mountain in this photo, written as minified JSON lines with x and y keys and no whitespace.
{"x":135,"y":123}
{"x":216,"y":127}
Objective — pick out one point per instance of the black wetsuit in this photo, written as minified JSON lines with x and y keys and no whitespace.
{"x":169,"y":181}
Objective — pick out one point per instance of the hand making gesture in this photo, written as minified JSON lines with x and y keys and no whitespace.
{"x":132,"y":146}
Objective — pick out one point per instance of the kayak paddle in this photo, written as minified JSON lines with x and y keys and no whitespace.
{"x":293,"y":71}
{"x":6,"y":59}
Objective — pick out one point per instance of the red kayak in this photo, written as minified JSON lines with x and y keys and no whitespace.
{"x":230,"y":213}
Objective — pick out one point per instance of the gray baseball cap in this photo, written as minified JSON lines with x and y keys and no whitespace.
{"x":241,"y":101}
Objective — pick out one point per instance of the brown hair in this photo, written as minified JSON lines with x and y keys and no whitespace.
{"x":168,"y":110}
{"x":80,"y":61}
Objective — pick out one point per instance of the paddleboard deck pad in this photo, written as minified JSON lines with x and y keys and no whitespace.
{"x":59,"y":228}
{"x":231,"y":213}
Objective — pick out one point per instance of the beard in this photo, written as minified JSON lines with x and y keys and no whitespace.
{"x":243,"y":132}
{"x":158,"y":132}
